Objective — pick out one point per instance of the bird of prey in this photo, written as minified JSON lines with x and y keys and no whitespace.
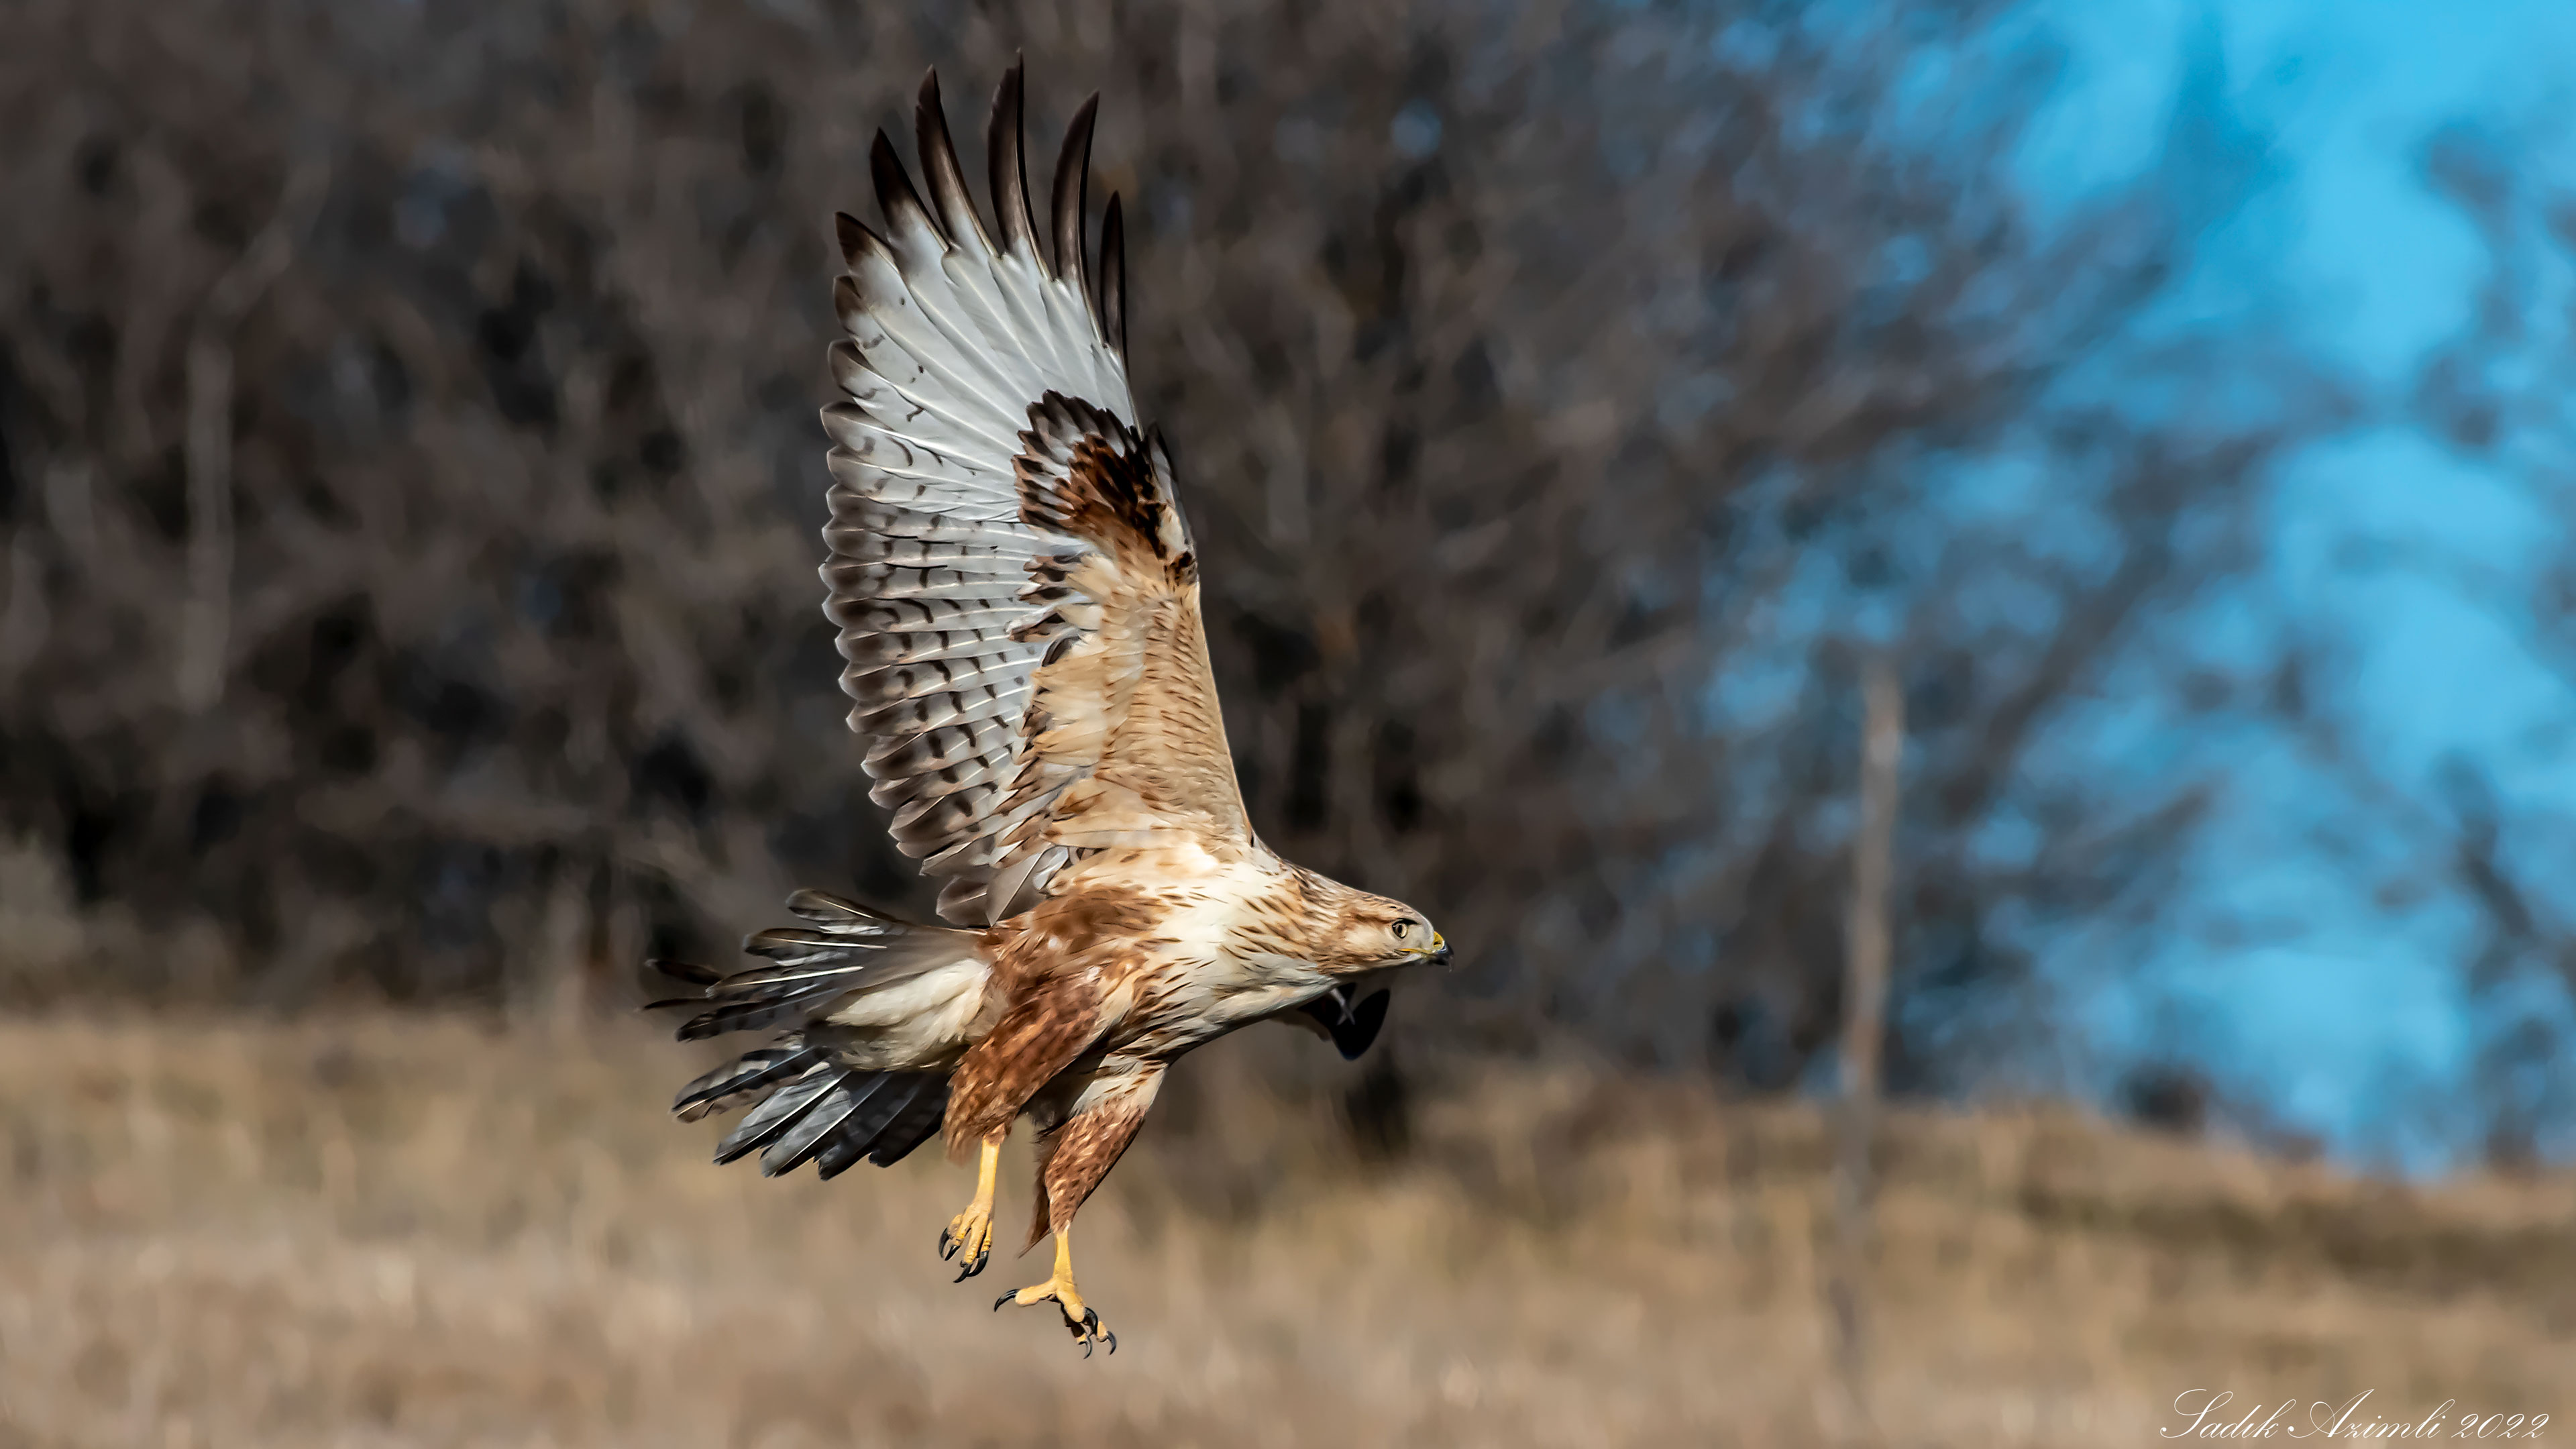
{"x":1017,"y":596}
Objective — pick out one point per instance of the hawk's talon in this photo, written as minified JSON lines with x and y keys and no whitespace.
{"x":1080,"y":1319}
{"x":968,"y":1241}
{"x":1089,"y":1332}
{"x":968,"y":1238}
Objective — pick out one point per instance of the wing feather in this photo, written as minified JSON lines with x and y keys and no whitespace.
{"x":956,"y":706}
{"x":940,"y":169}
{"x":1072,"y":171}
{"x":1011,"y":575}
{"x":1113,"y":279}
{"x":1009,"y":174}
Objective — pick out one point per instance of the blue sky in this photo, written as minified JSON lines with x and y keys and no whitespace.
{"x":2343,"y":1016}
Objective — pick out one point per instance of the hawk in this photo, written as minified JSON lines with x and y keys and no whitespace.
{"x":1017,"y":597}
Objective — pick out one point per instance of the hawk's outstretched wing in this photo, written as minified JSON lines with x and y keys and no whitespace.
{"x":1014,"y":584}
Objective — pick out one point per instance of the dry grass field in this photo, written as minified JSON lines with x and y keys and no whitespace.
{"x":417,"y":1231}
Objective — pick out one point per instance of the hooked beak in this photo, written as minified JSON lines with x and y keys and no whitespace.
{"x":1438,"y":955}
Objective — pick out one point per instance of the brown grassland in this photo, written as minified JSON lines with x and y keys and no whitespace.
{"x":408,"y":1230}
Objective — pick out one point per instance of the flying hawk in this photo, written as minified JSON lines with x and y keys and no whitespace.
{"x":1018,"y":602}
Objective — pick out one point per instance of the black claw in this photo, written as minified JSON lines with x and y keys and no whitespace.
{"x":977,"y":1265}
{"x":1005,"y":1298}
{"x":1113,"y":1339}
{"x":948,"y":1245}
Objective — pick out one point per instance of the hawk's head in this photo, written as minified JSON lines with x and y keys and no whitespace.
{"x":1357,"y":939}
{"x":1374,"y":933}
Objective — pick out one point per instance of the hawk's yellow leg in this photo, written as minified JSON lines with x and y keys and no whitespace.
{"x":969,"y":1235}
{"x":1058,"y":1288}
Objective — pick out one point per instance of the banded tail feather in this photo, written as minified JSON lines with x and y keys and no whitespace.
{"x":873,"y":1006}
{"x":811,"y":1107}
{"x":841,"y":948}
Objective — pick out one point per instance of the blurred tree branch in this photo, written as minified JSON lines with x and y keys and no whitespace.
{"x":205,"y":618}
{"x":2496,"y":391}
{"x":1553,"y":384}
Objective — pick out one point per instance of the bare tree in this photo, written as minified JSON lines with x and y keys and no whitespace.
{"x":2496,"y":391}
{"x":1554,"y":384}
{"x":1864,"y":1027}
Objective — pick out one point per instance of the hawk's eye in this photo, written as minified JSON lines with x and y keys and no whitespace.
{"x":1403,"y":929}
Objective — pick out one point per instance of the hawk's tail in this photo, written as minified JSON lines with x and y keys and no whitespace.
{"x":816,"y":1109}
{"x":812,"y":1104}
{"x":842,"y":948}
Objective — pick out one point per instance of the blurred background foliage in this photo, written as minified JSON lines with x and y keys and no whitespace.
{"x":410,"y":485}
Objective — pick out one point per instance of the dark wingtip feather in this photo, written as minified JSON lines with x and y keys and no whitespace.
{"x":855,"y":239}
{"x":1354,"y":1036}
{"x":939,"y":168}
{"x":1112,"y":303}
{"x":1010,"y":176}
{"x":900,"y":204}
{"x":1159,"y":448}
{"x":1072,"y":182}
